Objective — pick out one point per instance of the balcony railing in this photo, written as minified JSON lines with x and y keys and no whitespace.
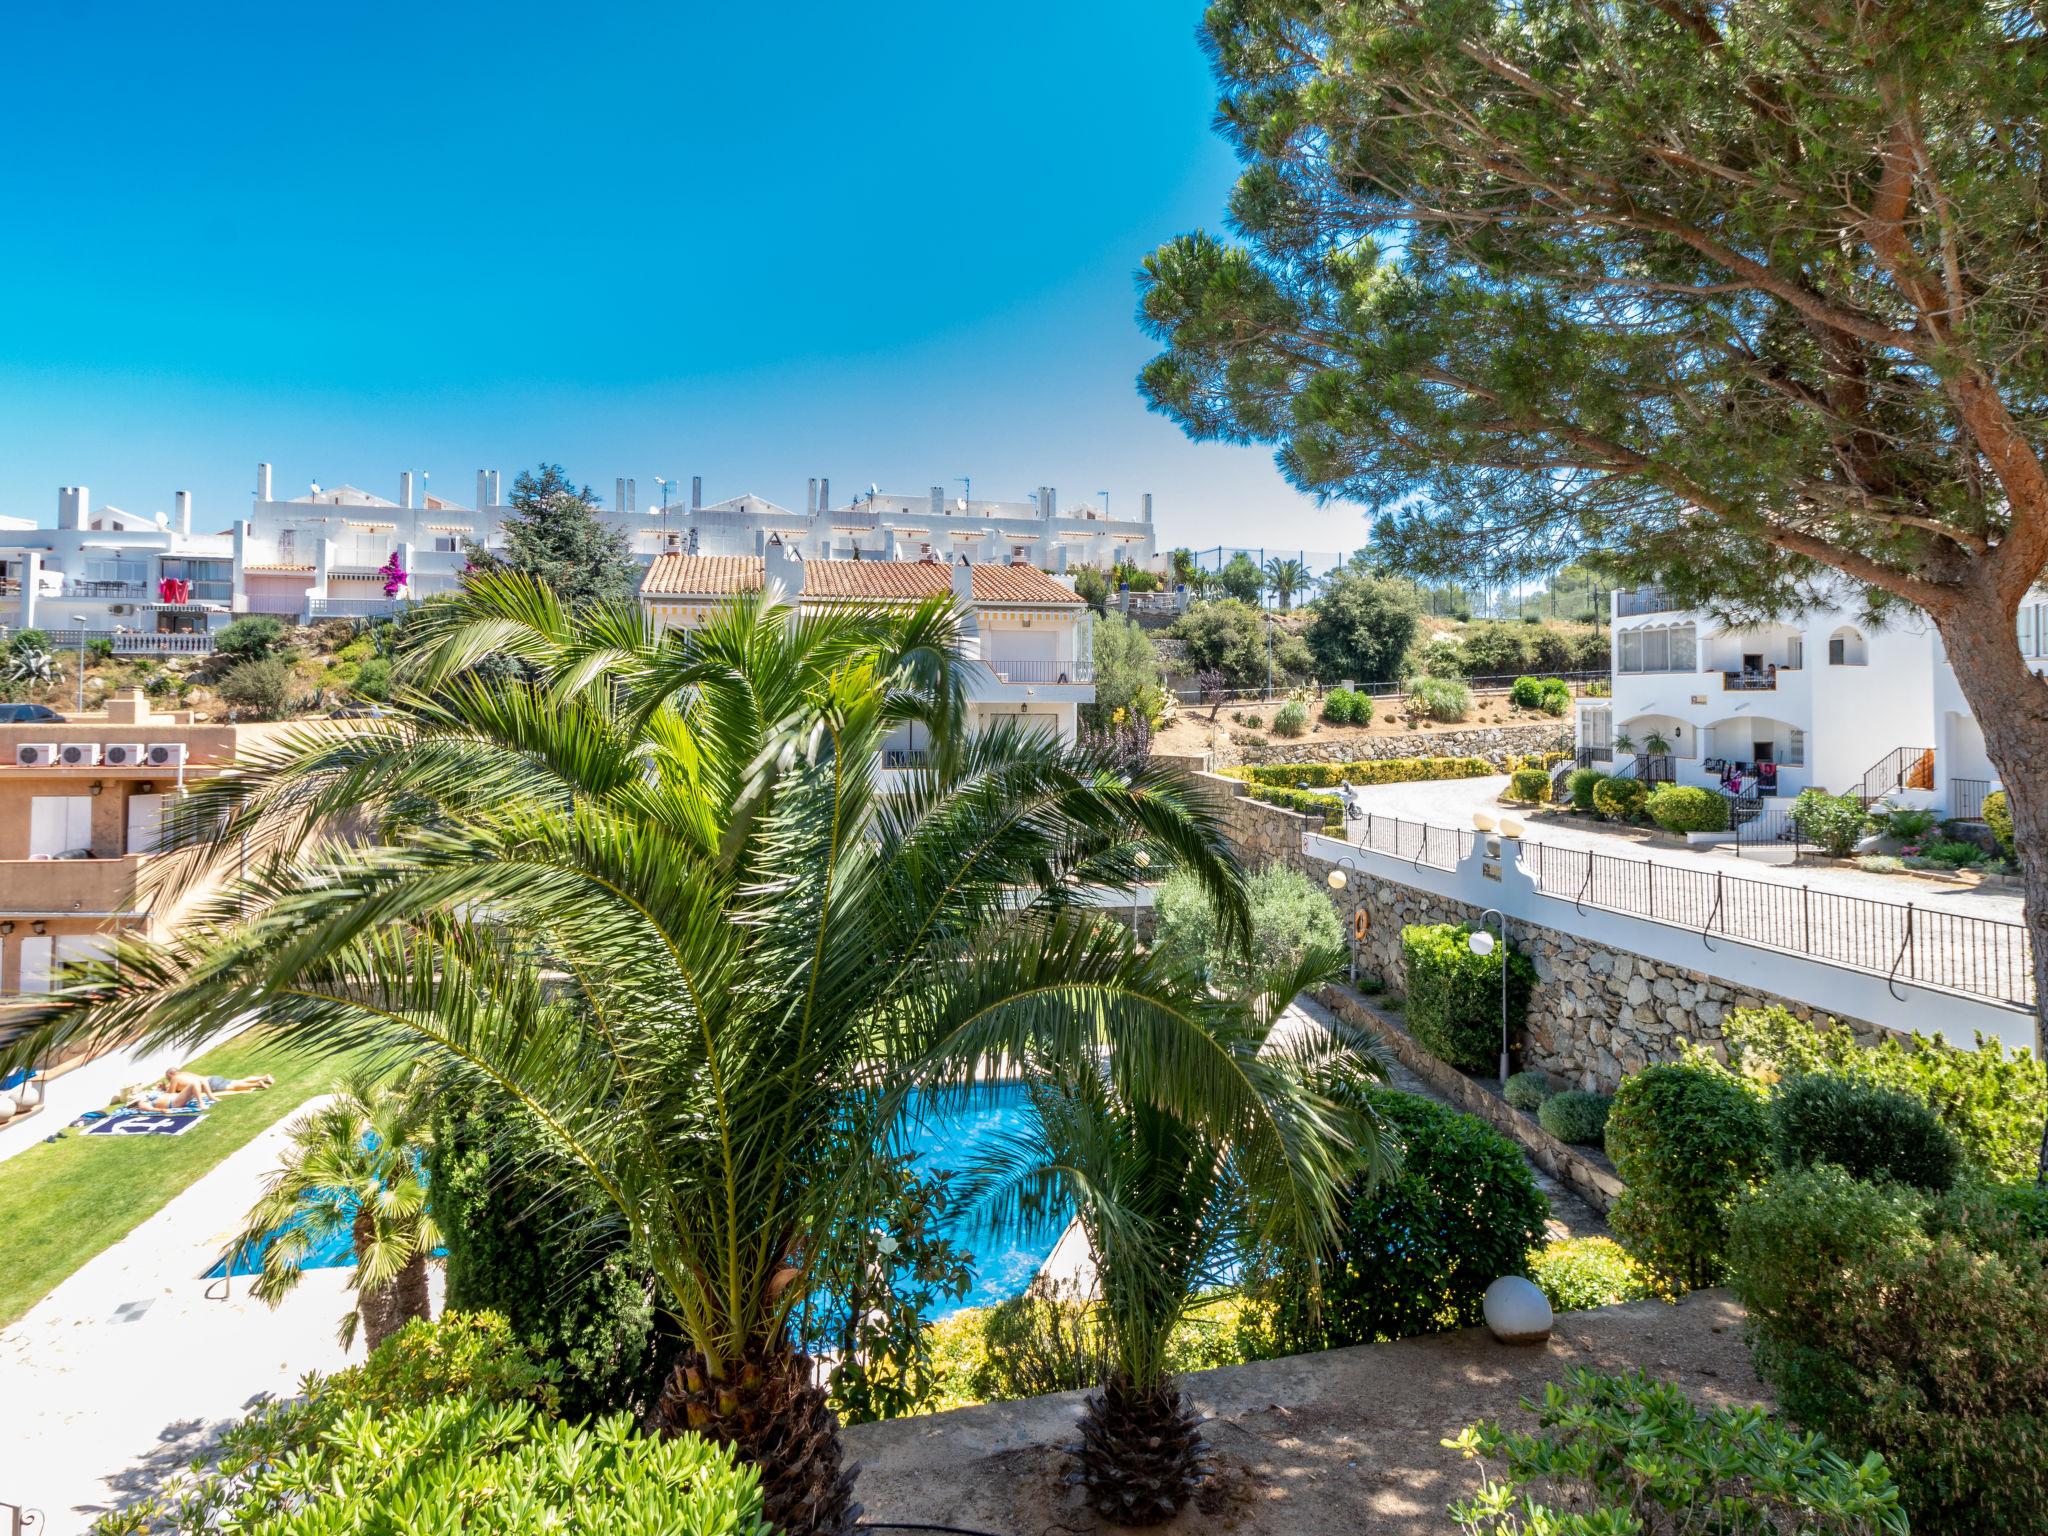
{"x":1025,"y":670}
{"x":110,"y":589}
{"x":353,"y":607}
{"x":1765,"y":681}
{"x":1628,"y":604}
{"x":57,"y":887}
{"x":135,"y":642}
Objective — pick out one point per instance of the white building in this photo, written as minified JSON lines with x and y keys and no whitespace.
{"x":1031,"y":635}
{"x":145,"y":582}
{"x":1822,"y":700}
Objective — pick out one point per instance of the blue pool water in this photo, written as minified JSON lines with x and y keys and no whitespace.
{"x":949,"y":1143}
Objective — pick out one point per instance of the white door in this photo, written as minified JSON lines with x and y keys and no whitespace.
{"x":35,"y":964}
{"x":58,"y":823}
{"x":145,"y":822}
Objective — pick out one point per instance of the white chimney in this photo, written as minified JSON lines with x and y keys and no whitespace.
{"x":938,"y":501}
{"x":185,"y":513}
{"x":483,"y":489}
{"x":963,"y":583}
{"x":405,"y":487}
{"x":811,"y":494}
{"x":263,"y":482}
{"x":782,"y":567}
{"x":73,"y":502}
{"x":632,"y":495}
{"x":1145,"y":501}
{"x":696,"y":492}
{"x":619,"y":494}
{"x":495,"y":500}
{"x":1052,"y":498}
{"x":824,"y":494}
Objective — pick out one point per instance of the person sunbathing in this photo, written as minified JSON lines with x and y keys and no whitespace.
{"x":155,"y":1100}
{"x":178,"y":1079}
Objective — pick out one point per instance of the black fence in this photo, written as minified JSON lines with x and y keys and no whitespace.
{"x":1966,"y":798}
{"x":1416,"y":841}
{"x":1760,"y":823}
{"x":1977,"y":956}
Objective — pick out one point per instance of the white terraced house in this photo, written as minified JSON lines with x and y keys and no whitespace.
{"x":1824,"y":700}
{"x":1031,"y":635}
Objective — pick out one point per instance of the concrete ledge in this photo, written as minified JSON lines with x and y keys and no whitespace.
{"x":1588,"y":1177}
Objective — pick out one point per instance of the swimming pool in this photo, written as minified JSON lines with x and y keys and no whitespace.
{"x":948,"y":1143}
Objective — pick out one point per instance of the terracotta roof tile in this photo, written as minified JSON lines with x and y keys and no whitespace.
{"x":885,"y":581}
{"x":275,"y":569}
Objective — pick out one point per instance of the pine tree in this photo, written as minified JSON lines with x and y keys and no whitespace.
{"x":554,"y":535}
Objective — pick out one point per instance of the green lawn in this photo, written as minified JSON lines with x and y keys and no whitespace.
{"x":66,"y":1200}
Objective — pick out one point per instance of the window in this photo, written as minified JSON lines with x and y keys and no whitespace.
{"x":2033,"y":630}
{"x":1845,"y":648}
{"x":1795,"y":653}
{"x":1659,"y":648}
{"x":1596,"y":730}
{"x":447,"y":544}
{"x":1795,"y":749}
{"x":213,"y":581}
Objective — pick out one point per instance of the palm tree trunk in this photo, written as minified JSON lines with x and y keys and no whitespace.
{"x":409,"y":1294}
{"x":771,"y":1411}
{"x":377,"y":1309}
{"x":1141,"y":1455}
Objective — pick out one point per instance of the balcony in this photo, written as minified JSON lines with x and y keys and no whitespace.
{"x":1018,"y":669}
{"x":1640,"y":600}
{"x":353,"y":607}
{"x":1746,"y":681}
{"x":118,"y":591}
{"x":69,"y":887}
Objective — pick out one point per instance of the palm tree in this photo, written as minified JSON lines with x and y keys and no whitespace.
{"x":1168,"y":1205}
{"x":354,"y":1165}
{"x":1285,"y":578}
{"x":648,"y":889}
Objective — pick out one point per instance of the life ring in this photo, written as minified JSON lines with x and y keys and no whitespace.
{"x":1360,"y":924}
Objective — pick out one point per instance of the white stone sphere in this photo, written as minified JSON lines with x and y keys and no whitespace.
{"x":6,"y":1108}
{"x":1516,"y":1311}
{"x":27,"y":1096}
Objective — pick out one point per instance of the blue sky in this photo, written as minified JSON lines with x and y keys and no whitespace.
{"x":890,"y":244}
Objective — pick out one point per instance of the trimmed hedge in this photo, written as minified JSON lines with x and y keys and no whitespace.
{"x":1530,"y":786}
{"x":1385,"y":770}
{"x":1688,"y":808}
{"x":1873,"y":1133}
{"x":1620,"y":799}
{"x":1454,"y":996}
{"x":1347,"y":706}
{"x":1997,"y":814}
{"x":1582,"y":784}
{"x":1688,"y":1140}
{"x":1329,"y":807}
{"x":1580,"y":1273}
{"x":1576,"y":1117}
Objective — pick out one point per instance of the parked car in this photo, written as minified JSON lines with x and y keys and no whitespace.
{"x":27,"y":714}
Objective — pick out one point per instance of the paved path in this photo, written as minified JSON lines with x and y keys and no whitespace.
{"x":129,"y":1367}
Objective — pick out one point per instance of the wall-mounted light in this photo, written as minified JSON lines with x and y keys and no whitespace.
{"x":97,"y":786}
{"x":145,"y":787}
{"x":7,"y":927}
{"x":39,"y":927}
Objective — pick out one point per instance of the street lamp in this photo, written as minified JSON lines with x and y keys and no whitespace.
{"x":1337,"y":880}
{"x":1144,"y":862}
{"x":1481,"y":943}
{"x":79,"y":620}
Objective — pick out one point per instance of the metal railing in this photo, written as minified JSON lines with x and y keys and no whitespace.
{"x":1750,"y":682}
{"x":1416,"y":841}
{"x":1629,"y":603}
{"x":1757,"y":823}
{"x":134,"y":642}
{"x":906,"y":757}
{"x":1653,"y":768}
{"x":1948,"y":951}
{"x":353,"y":607}
{"x":1966,"y":798}
{"x":1901,"y":768}
{"x":1033,"y":670}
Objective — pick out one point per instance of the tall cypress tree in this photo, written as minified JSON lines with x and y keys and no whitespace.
{"x":554,"y":535}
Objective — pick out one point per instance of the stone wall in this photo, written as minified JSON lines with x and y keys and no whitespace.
{"x":1495,"y":743}
{"x":1597,"y":1013}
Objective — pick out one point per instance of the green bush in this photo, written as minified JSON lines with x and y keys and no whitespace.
{"x":1582,"y":784}
{"x":1909,"y":1324}
{"x":1527,"y":1090}
{"x":1620,"y":799}
{"x":373,"y":678}
{"x":1347,"y":706}
{"x":27,"y":642}
{"x":1290,"y":719}
{"x":1580,"y":1118}
{"x":1386,"y":770}
{"x":1581,"y":1273}
{"x":1557,"y":696}
{"x":1872,"y":1132}
{"x":1440,"y":698}
{"x":1290,"y":916}
{"x":1997,"y":814}
{"x":520,"y":1248}
{"x":459,"y":1354}
{"x":1420,"y":1247}
{"x":1454,"y":996}
{"x":462,"y":1464}
{"x":1687,"y":1141}
{"x":1992,"y":1101}
{"x":264,"y":689}
{"x":1832,"y":823}
{"x":1329,"y":807}
{"x":1625,"y":1454}
{"x":1688,"y":808}
{"x":100,"y":650}
{"x":1952,"y":853}
{"x":1531,"y":786}
{"x":1526,"y":693}
{"x":255,"y":637}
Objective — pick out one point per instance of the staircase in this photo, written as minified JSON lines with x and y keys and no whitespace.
{"x":1901,"y":769}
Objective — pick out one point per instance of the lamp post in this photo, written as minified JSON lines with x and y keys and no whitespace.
{"x":1337,"y":880}
{"x":1144,"y":862}
{"x":79,"y":620}
{"x":1481,"y":943}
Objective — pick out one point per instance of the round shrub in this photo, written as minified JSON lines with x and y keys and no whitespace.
{"x":1440,"y":698}
{"x":1872,"y":1132}
{"x":1290,"y":719}
{"x":1527,"y":693}
{"x":1527,"y":1090}
{"x":1420,"y":1248}
{"x":1337,"y":706}
{"x":1454,"y":996}
{"x":1557,"y":696}
{"x":1581,"y":784}
{"x":1832,"y":823}
{"x":1910,"y":1324}
{"x":1531,"y":786}
{"x":1688,"y":808}
{"x":1580,"y":1118}
{"x":1688,"y":1141}
{"x":1997,"y":814}
{"x":1620,"y":799}
{"x":1361,"y":709}
{"x":1580,"y":1273}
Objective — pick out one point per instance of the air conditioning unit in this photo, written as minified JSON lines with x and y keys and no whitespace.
{"x":124,"y":754}
{"x":79,"y":754}
{"x":120,"y":608}
{"x":163,"y":753}
{"x":34,"y":754}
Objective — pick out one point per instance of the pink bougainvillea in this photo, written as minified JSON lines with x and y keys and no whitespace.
{"x":394,"y":575}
